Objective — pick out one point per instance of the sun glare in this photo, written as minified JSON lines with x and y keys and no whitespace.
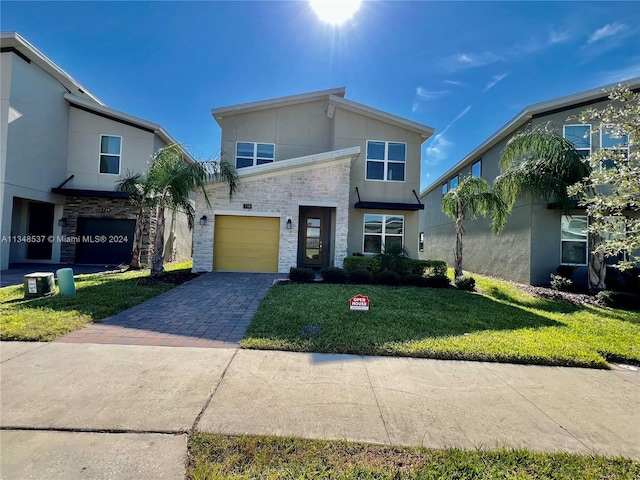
{"x":335,"y":12}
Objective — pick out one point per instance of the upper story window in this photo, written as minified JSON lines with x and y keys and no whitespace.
{"x":445,"y":188}
{"x":618,"y":144}
{"x":386,"y":160}
{"x":110,"y":152}
{"x":453,"y":183}
{"x":249,"y":154}
{"x":476,"y":169}
{"x":381,"y":231}
{"x":573,"y":240}
{"x":580,"y":136}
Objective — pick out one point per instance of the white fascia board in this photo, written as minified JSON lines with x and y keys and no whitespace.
{"x":125,"y":117}
{"x":521,"y":118}
{"x":350,"y":153}
{"x":221,"y":112}
{"x":15,"y":40}
{"x":423,"y":130}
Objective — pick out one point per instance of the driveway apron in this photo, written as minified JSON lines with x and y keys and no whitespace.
{"x":213,"y":310}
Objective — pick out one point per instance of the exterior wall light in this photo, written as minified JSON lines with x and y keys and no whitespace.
{"x":62,"y":222}
{"x":289,"y":224}
{"x":203,"y":220}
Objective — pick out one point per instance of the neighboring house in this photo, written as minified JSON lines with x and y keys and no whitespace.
{"x":321,"y":177}
{"x":537,"y":238}
{"x":63,"y":150}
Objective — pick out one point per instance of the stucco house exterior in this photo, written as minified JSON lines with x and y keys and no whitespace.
{"x":62,"y":152}
{"x":321,"y":177}
{"x":537,"y":238}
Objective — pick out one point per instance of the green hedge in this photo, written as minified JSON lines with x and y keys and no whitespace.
{"x":361,"y":263}
{"x":411,"y":266}
{"x":408,"y":266}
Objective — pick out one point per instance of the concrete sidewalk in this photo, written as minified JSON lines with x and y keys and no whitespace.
{"x":116,"y":411}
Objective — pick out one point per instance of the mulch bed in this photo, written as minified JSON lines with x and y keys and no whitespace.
{"x":550,"y":294}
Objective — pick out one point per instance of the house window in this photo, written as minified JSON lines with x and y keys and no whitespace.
{"x":386,"y":160}
{"x":617,"y":144}
{"x":110,"y":151}
{"x":476,"y":169}
{"x":445,"y":188}
{"x":382,"y":230}
{"x":574,"y":239}
{"x":453,"y":183}
{"x":421,"y":242}
{"x":580,"y":136}
{"x":250,"y":154}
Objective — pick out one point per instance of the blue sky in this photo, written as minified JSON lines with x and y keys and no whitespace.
{"x":463,"y":68}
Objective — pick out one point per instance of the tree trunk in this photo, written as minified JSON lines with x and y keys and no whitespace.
{"x":597,"y":270}
{"x":458,"y":255}
{"x":157,"y":259}
{"x":137,"y":241}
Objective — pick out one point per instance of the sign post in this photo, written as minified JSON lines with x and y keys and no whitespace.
{"x":359,"y":303}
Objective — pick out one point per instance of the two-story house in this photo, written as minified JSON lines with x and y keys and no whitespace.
{"x":321,"y":177}
{"x":63,"y":151}
{"x":537,"y":238}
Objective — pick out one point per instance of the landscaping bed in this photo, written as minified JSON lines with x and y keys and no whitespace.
{"x":223,"y":457}
{"x":499,"y":322}
{"x":98,"y":296}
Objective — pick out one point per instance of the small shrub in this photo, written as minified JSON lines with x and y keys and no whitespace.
{"x":561,"y":283}
{"x":361,"y":263}
{"x":623,"y":300}
{"x":333,"y":275}
{"x":435,"y":267}
{"x":566,"y":271}
{"x":625,"y":281}
{"x":466,"y":283}
{"x":392,"y":257}
{"x":360,"y":277}
{"x":388,"y":278}
{"x":413,"y":280}
{"x":437,"y":281}
{"x":301,"y":275}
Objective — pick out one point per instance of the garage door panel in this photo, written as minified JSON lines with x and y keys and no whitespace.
{"x":117,"y":235}
{"x":244,"y":243}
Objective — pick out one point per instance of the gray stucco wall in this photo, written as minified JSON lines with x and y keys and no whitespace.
{"x":34,"y":145}
{"x":296,"y":130}
{"x":529,"y":249}
{"x":85,"y":130}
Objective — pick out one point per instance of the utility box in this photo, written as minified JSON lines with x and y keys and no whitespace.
{"x":39,"y":284}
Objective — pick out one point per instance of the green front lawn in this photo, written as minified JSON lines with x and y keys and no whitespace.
{"x":500,"y":322}
{"x":220,"y":457}
{"x":97,"y":297}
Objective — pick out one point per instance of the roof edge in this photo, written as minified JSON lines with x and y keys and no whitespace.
{"x":280,"y":101}
{"x":524,"y":116}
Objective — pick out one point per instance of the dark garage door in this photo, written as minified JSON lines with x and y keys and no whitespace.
{"x":105,"y":241}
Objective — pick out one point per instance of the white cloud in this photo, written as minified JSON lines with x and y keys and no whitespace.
{"x":455,"y":82}
{"x":436,"y":151}
{"x":460,"y":61}
{"x":558,"y":37}
{"x":427,"y":95}
{"x":494,"y":81}
{"x":621,"y":74}
{"x":609,"y":30}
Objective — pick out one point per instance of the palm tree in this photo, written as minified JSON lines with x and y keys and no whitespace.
{"x":137,"y":187}
{"x":171,"y":180}
{"x":541,"y":162}
{"x":473,"y":197}
{"x":544,"y":163}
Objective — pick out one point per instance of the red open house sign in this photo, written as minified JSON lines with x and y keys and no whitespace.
{"x":359,"y":302}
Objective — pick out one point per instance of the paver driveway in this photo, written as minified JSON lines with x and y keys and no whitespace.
{"x":213,"y":310}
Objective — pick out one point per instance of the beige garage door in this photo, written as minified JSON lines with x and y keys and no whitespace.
{"x":247,"y":244}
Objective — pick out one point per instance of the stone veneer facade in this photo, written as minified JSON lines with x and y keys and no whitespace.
{"x":279,"y":192}
{"x":95,"y":207}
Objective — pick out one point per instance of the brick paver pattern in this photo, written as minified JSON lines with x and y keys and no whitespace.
{"x":213,"y":310}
